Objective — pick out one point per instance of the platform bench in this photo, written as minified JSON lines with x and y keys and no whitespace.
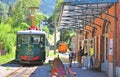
{"x":97,"y":65}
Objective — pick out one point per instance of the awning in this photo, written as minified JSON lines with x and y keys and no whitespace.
{"x":75,"y":14}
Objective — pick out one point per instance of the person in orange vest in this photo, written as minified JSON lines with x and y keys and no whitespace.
{"x":62,"y":47}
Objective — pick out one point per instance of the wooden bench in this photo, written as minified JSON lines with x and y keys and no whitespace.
{"x":97,"y":65}
{"x":58,"y":69}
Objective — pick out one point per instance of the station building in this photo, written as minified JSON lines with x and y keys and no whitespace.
{"x":100,"y":29}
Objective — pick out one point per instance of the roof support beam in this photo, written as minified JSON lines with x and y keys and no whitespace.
{"x":96,"y":24}
{"x":92,"y":27}
{"x":80,"y":15}
{"x":111,"y":15}
{"x":87,"y":30}
{"x":103,"y":19}
{"x":92,"y":23}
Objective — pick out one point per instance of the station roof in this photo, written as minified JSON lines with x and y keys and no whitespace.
{"x":75,"y":14}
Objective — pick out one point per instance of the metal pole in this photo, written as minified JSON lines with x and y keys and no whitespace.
{"x":115,"y":42}
{"x":62,"y":35}
{"x":55,"y":36}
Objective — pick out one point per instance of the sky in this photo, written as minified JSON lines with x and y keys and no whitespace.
{"x":47,"y":7}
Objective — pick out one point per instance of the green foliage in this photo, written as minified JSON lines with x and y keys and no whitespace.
{"x":55,"y":15}
{"x":5,"y":28}
{"x":31,"y":3}
{"x":51,"y":25}
{"x":38,"y":19}
{"x":7,"y":37}
{"x":57,"y":9}
{"x":9,"y":42}
{"x":24,"y":26}
{"x":7,"y":58}
{"x":18,"y":15}
{"x":66,"y":36}
{"x":9,"y":21}
{"x":59,"y":3}
{"x":3,"y":12}
{"x":21,"y":12}
{"x":45,"y":28}
{"x":15,"y":30}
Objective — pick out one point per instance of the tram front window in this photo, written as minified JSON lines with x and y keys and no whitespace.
{"x":29,"y":39}
{"x":23,"y":39}
{"x":34,"y":39}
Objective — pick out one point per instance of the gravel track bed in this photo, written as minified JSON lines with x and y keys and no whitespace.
{"x":7,"y":69}
{"x":42,"y":71}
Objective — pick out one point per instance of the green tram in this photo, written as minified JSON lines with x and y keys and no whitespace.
{"x":30,"y":46}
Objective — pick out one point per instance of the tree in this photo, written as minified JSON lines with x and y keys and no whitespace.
{"x":7,"y":37}
{"x":21,"y":11}
{"x":3,"y":12}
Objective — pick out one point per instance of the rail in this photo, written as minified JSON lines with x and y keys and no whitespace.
{"x":22,"y":72}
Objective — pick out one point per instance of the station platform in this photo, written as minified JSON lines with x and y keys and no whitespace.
{"x":80,"y":72}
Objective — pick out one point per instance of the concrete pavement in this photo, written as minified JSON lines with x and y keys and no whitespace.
{"x":85,"y":72}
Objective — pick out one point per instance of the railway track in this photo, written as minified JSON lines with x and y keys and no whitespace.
{"x":23,"y":72}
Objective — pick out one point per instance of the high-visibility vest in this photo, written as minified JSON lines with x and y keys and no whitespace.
{"x":62,"y":47}
{"x":91,"y":51}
